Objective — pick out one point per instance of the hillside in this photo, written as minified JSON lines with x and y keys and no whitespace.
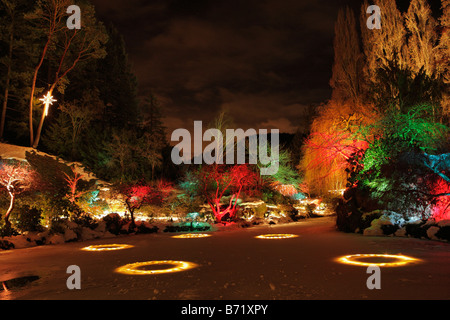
{"x":10,"y":151}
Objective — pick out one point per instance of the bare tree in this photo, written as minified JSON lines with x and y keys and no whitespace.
{"x":68,"y":47}
{"x":15,"y":178}
{"x":49,"y":15}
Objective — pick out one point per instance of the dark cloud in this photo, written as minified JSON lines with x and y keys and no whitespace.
{"x":263,"y":61}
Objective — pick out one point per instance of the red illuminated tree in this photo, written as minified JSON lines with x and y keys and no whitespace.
{"x":72,"y":182}
{"x":215,"y":181}
{"x":136,"y":195}
{"x":16,"y":178}
{"x":335,"y":137}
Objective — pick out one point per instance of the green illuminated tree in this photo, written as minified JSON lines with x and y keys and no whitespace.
{"x":402,"y":157}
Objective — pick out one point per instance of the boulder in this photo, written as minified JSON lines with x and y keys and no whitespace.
{"x":89,"y":234}
{"x":70,"y":235}
{"x":374,"y":229}
{"x":400,"y":232}
{"x":55,"y":239}
{"x":6,"y":245}
{"x":21,"y":241}
{"x":71,"y":225}
{"x":101,"y":226}
{"x":431,"y":232}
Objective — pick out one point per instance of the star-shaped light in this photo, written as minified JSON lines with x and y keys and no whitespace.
{"x":47,"y":100}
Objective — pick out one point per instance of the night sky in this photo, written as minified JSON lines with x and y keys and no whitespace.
{"x":264,"y":61}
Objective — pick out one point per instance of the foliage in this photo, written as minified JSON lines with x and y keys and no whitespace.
{"x":286,"y":180}
{"x":53,"y":189}
{"x":85,"y":220}
{"x":16,"y":177}
{"x":214,"y":182}
{"x":135,"y":195}
{"x":395,"y":167}
{"x":27,"y":218}
{"x":90,"y":203}
{"x":401,"y":88}
{"x":66,"y":133}
{"x":396,"y":134}
{"x":347,"y":77}
{"x":334,"y":139}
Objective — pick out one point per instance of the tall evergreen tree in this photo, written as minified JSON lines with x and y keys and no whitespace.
{"x":347,"y":68}
{"x":422,"y":37}
{"x":153,"y":139}
{"x":117,"y":82}
{"x":15,"y":61}
{"x":381,"y":46}
{"x":443,"y":58}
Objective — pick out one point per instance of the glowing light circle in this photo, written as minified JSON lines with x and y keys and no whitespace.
{"x":353,"y":259}
{"x":107,"y":247}
{"x":276,"y":236}
{"x":191,"y":235}
{"x":133,"y":268}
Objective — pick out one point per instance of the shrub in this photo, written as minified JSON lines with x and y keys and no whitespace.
{"x":85,"y":220}
{"x":6,"y":230}
{"x":416,"y":230}
{"x":57,"y":225}
{"x":27,"y":218}
{"x":444,"y":233}
{"x":113,"y":223}
{"x":389,"y":229}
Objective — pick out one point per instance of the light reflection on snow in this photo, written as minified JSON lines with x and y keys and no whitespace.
{"x":399,"y":260}
{"x":276,"y":236}
{"x":107,"y":247}
{"x":191,"y":235}
{"x":133,"y":268}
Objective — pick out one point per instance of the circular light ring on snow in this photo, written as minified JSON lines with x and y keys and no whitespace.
{"x":276,"y":236}
{"x":192,"y":235}
{"x":107,"y":247}
{"x":399,"y":260}
{"x":133,"y":268}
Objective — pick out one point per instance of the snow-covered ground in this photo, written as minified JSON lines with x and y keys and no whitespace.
{"x":233,"y":265}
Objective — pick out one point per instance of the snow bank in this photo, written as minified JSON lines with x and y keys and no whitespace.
{"x":392,"y":223}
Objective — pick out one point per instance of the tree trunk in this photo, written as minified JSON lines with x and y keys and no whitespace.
{"x":131,"y":210}
{"x":33,"y":87}
{"x":11,"y":207}
{"x":38,"y":132}
{"x":8,"y":77}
